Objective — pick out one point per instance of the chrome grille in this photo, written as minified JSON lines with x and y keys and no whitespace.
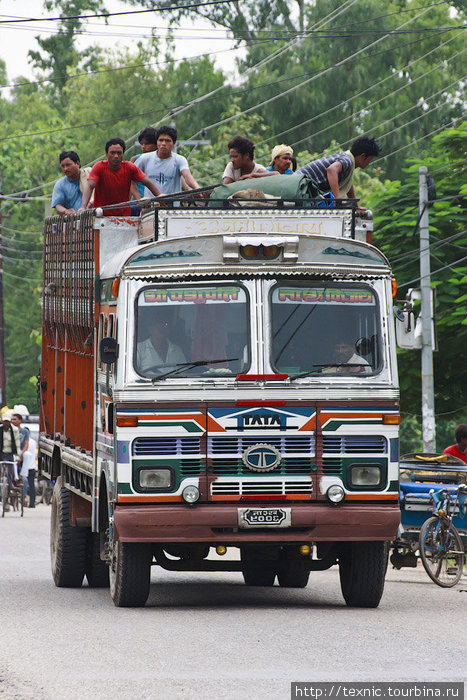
{"x":290,"y":465}
{"x":290,"y":444}
{"x":175,"y":446}
{"x":245,"y":487}
{"x":354,"y":444}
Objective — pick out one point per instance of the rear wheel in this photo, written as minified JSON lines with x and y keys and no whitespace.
{"x":442,"y":552}
{"x":293,"y":574}
{"x":130,"y":574}
{"x":258,"y":574}
{"x":67,"y":542}
{"x":97,"y":571}
{"x":362,"y":569}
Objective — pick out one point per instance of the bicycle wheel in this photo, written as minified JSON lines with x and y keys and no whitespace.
{"x":4,"y":497}
{"x":442,"y":552}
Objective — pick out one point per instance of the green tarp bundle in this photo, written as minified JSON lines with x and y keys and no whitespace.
{"x":296,"y":186}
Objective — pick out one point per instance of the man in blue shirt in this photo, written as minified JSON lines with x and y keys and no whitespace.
{"x":165,"y":168}
{"x":67,"y":194}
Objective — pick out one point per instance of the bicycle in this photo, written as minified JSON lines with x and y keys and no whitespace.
{"x":10,"y":494}
{"x":441,"y":548}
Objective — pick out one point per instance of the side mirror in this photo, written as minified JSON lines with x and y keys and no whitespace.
{"x":108,"y":351}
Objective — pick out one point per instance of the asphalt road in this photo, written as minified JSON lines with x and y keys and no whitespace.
{"x":205,"y":635}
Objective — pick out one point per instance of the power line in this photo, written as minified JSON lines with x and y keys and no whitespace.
{"x":116,"y":14}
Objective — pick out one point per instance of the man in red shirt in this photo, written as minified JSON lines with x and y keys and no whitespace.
{"x":460,"y":448}
{"x":111,"y":179}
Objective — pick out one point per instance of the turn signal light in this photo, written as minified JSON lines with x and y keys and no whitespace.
{"x":394,"y":287}
{"x":221,"y":550}
{"x":392,"y":419}
{"x":115,"y":285}
{"x":127,"y":421}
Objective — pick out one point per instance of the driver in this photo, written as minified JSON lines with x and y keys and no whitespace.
{"x":158,"y":352}
{"x":347,"y":360}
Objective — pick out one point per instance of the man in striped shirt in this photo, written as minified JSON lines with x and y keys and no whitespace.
{"x":335,"y":173}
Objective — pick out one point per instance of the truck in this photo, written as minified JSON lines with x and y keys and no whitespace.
{"x":217,"y":379}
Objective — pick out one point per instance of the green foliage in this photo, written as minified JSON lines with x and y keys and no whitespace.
{"x":397,"y":234}
{"x":58,"y":50}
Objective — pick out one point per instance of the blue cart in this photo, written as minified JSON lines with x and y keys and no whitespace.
{"x":420,"y":473}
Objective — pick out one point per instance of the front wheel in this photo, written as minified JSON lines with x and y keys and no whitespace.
{"x":362,"y":570}
{"x":442,"y":552}
{"x":130,"y":574}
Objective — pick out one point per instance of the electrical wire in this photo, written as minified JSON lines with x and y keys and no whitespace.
{"x":117,"y":14}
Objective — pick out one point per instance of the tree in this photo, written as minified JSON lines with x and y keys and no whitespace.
{"x":397,"y":235}
{"x":59,"y":49}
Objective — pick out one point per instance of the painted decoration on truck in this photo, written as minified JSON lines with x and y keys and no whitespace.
{"x":263,"y":419}
{"x":191,"y":295}
{"x":323,"y":295}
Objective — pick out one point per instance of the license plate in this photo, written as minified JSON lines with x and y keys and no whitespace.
{"x":264,"y":517}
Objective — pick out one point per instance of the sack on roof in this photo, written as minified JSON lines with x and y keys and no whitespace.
{"x":296,"y":186}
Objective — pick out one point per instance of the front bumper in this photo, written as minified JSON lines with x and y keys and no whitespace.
{"x":218,"y":523}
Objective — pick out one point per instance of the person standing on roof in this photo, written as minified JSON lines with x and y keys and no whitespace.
{"x":165,"y":168}
{"x":459,"y":449}
{"x":68,"y":191}
{"x":335,"y":173}
{"x":111,"y":180}
{"x":241,"y":166}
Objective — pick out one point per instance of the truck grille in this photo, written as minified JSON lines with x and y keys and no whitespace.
{"x":245,"y":487}
{"x":354,"y":444}
{"x":232,"y":467}
{"x":175,"y":446}
{"x":292,"y":444}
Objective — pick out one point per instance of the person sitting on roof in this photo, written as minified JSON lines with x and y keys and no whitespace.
{"x":242,"y":165}
{"x":335,"y":173}
{"x":459,"y":449}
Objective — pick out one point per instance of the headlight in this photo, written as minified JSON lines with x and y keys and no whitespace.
{"x":335,"y":493}
{"x":155,"y":479}
{"x":190,"y":494}
{"x":365,"y":475}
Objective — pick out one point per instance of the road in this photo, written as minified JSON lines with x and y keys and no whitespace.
{"x":210,"y":636}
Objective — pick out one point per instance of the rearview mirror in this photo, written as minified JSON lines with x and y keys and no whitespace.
{"x":108,"y":351}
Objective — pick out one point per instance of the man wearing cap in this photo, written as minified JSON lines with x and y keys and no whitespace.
{"x":281,"y":160}
{"x":9,"y":445}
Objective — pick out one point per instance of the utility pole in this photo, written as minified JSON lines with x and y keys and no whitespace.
{"x":2,"y":326}
{"x":428,"y":398}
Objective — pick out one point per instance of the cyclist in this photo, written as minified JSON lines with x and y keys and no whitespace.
{"x":9,"y":445}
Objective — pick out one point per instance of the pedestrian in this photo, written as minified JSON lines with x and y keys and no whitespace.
{"x":241,"y":166}
{"x":68,"y":191}
{"x":459,"y":449}
{"x":335,"y":173}
{"x":24,"y":437}
{"x":164,"y":167}
{"x":28,"y":471}
{"x":9,"y":445}
{"x":111,"y":180}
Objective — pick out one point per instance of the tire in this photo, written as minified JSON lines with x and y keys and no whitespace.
{"x":67,"y":542}
{"x":442,"y":552}
{"x":4,"y":496}
{"x":258,"y":573}
{"x":97,"y":571}
{"x":362,"y":570}
{"x":130,"y":574}
{"x":293,"y":574}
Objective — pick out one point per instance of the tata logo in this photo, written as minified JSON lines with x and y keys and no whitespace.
{"x":258,"y":420}
{"x":261,"y":458}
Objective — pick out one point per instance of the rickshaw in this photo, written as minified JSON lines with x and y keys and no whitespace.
{"x":423,"y":475}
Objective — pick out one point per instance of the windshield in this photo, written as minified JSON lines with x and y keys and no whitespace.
{"x":191,"y":331}
{"x":318,"y":329}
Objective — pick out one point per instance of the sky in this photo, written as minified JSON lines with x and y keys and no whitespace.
{"x":17,"y":40}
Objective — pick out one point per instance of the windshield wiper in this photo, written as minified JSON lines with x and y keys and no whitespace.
{"x":188,"y":365}
{"x":319,"y":368}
